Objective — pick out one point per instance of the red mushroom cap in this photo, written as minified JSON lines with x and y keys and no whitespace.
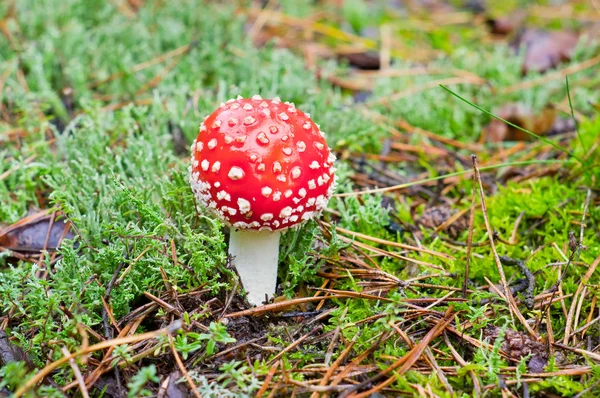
{"x":262,"y":164}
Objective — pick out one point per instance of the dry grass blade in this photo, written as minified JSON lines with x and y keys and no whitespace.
{"x":459,"y":359}
{"x":512,"y":305}
{"x":267,"y":381}
{"x":582,"y":283}
{"x":96,"y":347}
{"x":289,"y":303}
{"x":147,"y":64}
{"x":77,"y":373}
{"x":559,"y":74}
{"x":391,"y":243}
{"x":408,"y":360}
{"x":183,"y":369}
{"x":294,"y":345}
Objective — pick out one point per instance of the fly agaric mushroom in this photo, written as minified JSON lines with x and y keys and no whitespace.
{"x":261,"y":166}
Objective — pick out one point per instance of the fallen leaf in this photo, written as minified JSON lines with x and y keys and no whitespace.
{"x":366,"y":60}
{"x":35,"y":232}
{"x":544,"y":49}
{"x":546,"y":122}
{"x":506,"y":24}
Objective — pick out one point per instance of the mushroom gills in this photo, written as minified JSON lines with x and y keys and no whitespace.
{"x":255,"y":256}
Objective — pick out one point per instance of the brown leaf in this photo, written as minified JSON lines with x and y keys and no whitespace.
{"x":35,"y":233}
{"x":506,"y":24}
{"x":546,"y":49}
{"x":367,"y":60}
{"x":544,"y":123}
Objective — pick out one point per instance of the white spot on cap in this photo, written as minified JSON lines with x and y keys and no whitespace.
{"x":212,"y":143}
{"x":306,"y":126}
{"x":229,"y":101}
{"x":314,"y":165}
{"x":248,"y":120}
{"x":301,"y":146}
{"x":216,"y":124}
{"x":233,"y":121}
{"x":320,"y":181}
{"x":310,"y":202}
{"x":308,"y":215}
{"x":223,"y":195}
{"x":202,"y":127}
{"x":273,"y":129}
{"x":322,"y":133}
{"x":291,"y":110}
{"x":267,"y":217}
{"x":312,"y":184}
{"x":281,"y":178}
{"x":195,"y":163}
{"x":256,"y":97}
{"x":217,"y":184}
{"x":231,"y":211}
{"x":240,"y":138}
{"x":228,"y":139}
{"x":236,"y":173}
{"x":253,"y":158}
{"x":266,"y":191}
{"x":276,"y":167}
{"x":248,"y":107}
{"x":285,"y":212}
{"x":331,"y":158}
{"x":296,"y":172}
{"x":294,"y":218}
{"x":302,"y":192}
{"x":321,"y":202}
{"x":244,"y":205}
{"x":287,"y":151}
{"x":261,"y":167}
{"x":319,"y":146}
{"x":276,"y":100}
{"x":285,"y":138}
{"x":262,"y":138}
{"x":235,"y":106}
{"x":276,"y":196}
{"x":241,"y":224}
{"x":284,"y":116}
{"x":239,"y":97}
{"x":288,"y":193}
{"x":264,"y":105}
{"x":326,"y":177}
{"x":205,"y":163}
{"x":199,"y":147}
{"x":216,"y":166}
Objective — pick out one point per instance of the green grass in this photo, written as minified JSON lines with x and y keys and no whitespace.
{"x":118,"y":177}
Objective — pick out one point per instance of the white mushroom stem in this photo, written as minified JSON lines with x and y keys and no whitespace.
{"x":255,"y":256}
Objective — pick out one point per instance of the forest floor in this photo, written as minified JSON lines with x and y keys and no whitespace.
{"x":458,"y":256}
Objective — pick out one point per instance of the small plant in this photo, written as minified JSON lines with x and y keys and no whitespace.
{"x":138,"y":382}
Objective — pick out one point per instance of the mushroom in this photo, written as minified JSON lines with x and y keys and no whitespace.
{"x":261,"y":166}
